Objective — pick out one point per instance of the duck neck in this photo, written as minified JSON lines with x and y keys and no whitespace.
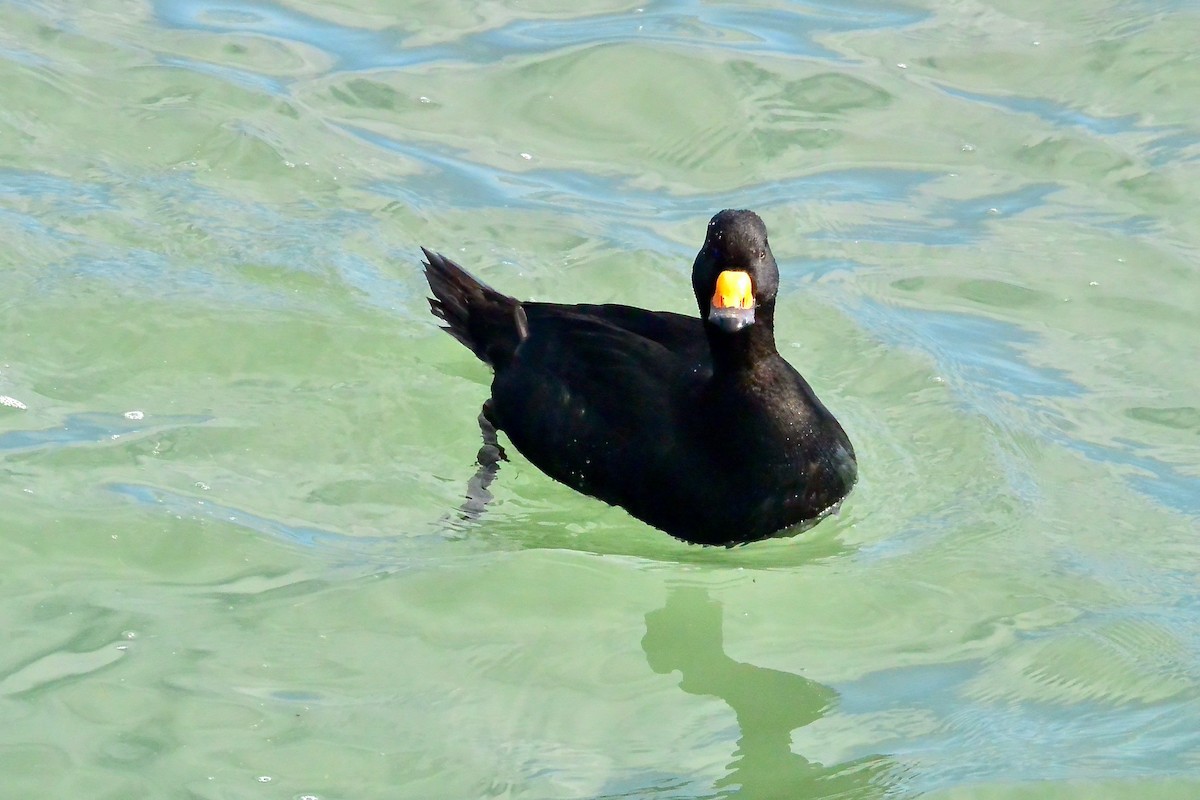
{"x":747,"y":348}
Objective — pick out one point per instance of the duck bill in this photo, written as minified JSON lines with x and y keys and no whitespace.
{"x":732,"y":304}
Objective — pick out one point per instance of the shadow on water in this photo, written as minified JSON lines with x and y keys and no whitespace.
{"x":687,"y":635}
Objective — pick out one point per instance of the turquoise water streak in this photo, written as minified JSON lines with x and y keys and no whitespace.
{"x":232,"y":439}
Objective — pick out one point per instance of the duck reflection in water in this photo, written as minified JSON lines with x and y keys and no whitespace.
{"x":769,"y":704}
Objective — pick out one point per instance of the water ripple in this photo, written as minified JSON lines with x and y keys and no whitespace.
{"x":92,"y":429}
{"x":668,"y":22}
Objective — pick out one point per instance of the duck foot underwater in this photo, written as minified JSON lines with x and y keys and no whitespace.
{"x":491,"y":453}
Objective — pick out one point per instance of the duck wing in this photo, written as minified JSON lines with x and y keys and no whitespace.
{"x":598,"y":397}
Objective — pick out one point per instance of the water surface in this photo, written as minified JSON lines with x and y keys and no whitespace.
{"x":232,"y":438}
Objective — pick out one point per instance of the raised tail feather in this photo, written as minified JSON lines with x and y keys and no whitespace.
{"x":491,"y":324}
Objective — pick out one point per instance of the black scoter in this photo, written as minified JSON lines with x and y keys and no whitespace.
{"x":694,"y":425}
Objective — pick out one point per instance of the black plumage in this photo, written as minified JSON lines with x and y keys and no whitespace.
{"x":694,"y":425}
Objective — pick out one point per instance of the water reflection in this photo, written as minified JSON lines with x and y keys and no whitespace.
{"x":687,"y":635}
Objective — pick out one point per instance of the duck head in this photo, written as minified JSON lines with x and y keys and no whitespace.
{"x":735,"y":277}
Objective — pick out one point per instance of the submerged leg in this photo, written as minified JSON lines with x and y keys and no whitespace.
{"x":489,"y":458}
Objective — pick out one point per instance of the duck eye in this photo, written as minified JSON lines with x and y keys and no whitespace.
{"x":762,"y":253}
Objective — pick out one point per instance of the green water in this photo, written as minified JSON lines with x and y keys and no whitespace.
{"x":233,"y":439}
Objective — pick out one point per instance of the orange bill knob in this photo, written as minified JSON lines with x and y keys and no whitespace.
{"x":732,"y":304}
